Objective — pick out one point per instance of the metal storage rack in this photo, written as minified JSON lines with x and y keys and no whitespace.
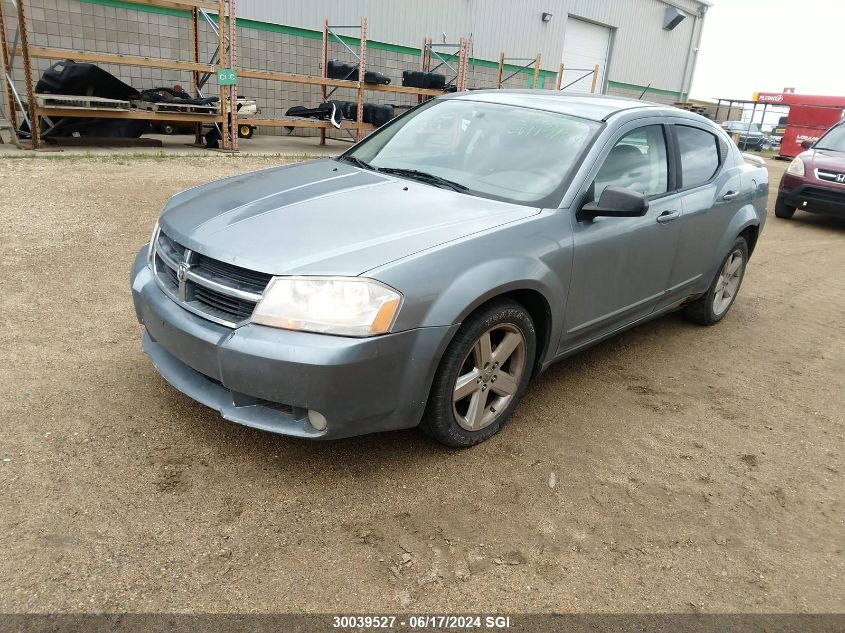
{"x":227,"y":117}
{"x":359,"y":85}
{"x":529,"y":62}
{"x":459,"y":74}
{"x":31,"y":112}
{"x":594,"y":71}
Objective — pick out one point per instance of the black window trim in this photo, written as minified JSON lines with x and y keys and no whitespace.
{"x":720,"y":151}
{"x":672,"y":163}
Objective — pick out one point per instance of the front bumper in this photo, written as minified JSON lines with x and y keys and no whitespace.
{"x":815,"y":198}
{"x":268,"y":378}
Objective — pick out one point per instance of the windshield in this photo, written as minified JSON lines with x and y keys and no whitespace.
{"x":834,"y":139}
{"x":497,"y":151}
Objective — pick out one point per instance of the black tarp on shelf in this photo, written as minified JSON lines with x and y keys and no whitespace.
{"x":78,"y":79}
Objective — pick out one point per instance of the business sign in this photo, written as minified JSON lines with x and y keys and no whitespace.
{"x":227,"y":77}
{"x":768,"y":97}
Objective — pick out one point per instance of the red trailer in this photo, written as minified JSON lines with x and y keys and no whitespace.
{"x":810,"y":116}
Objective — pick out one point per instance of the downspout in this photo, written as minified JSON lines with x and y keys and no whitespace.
{"x":692,"y":52}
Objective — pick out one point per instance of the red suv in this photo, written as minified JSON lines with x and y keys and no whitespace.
{"x":815,"y":179}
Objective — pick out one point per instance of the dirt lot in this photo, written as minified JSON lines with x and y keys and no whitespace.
{"x":697,"y":469}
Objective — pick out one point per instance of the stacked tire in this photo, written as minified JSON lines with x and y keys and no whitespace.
{"x":341,"y":70}
{"x":375,"y":113}
{"x":420,"y":79}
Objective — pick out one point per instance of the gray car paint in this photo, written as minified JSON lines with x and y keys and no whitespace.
{"x":346,"y":220}
{"x":448,"y":253}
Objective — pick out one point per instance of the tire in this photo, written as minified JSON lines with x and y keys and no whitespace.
{"x":706,"y":310}
{"x":245,"y":131}
{"x":492,"y":386}
{"x":783,"y":210}
{"x":169,"y":129}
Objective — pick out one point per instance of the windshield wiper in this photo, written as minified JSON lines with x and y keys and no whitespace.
{"x":424,"y":176}
{"x":358,"y":162}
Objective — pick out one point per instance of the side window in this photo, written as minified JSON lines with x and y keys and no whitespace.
{"x":637,"y":162}
{"x":699,"y":155}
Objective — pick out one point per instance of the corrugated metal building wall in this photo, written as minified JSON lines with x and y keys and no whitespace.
{"x":285,"y":36}
{"x":642,"y":53}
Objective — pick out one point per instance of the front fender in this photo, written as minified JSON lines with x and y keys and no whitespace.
{"x":442,"y":286}
{"x":462,"y":297}
{"x":513,"y":274}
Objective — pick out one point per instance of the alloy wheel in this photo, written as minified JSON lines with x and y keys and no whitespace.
{"x":729,"y":279}
{"x":489,"y":377}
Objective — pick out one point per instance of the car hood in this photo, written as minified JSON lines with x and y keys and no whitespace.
{"x":825,"y":158}
{"x":324,"y":218}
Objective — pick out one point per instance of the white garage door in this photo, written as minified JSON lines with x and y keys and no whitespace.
{"x":584,"y":45}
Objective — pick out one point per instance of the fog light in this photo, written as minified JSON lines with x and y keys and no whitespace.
{"x":317,"y":420}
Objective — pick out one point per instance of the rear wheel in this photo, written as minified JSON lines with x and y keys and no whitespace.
{"x":482,"y":376}
{"x":713,"y":305}
{"x":783,"y":210}
{"x":245,"y":131}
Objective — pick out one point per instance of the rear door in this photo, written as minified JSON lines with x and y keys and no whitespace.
{"x":621,"y":266}
{"x":711,"y":195}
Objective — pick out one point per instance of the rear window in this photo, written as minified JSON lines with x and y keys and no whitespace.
{"x":699,"y":155}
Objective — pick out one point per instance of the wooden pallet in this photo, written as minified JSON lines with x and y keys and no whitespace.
{"x":692,"y":107}
{"x":79,"y":101}
{"x":169,"y":106}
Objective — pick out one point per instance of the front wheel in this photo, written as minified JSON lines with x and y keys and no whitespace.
{"x":714,"y":304}
{"x":783,"y":210}
{"x":482,"y":376}
{"x":245,"y":131}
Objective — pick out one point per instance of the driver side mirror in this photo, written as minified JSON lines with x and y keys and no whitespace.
{"x":615,"y":202}
{"x":806,"y":144}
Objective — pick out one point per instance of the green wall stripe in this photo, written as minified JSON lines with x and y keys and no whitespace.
{"x":315,"y":35}
{"x":659,"y":91}
{"x":138,"y":7}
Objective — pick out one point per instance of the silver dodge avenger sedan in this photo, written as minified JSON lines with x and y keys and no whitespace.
{"x":424,"y":276}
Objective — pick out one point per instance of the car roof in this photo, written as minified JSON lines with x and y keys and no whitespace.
{"x":588,"y":106}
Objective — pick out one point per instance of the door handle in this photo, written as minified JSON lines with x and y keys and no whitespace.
{"x":730,"y":196}
{"x":668,"y":216}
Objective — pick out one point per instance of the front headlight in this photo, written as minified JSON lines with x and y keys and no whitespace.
{"x":346,"y":306}
{"x":796,"y":167}
{"x":151,"y":248}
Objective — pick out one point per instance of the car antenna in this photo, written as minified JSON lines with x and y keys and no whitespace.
{"x":642,"y":94}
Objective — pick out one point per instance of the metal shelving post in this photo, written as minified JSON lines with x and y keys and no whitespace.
{"x":329,"y":31}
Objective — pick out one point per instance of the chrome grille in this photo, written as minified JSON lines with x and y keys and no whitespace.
{"x":831,"y":176}
{"x":218,"y":291}
{"x":247,"y":280}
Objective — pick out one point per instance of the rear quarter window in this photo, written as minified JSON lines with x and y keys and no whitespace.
{"x":700,"y":156}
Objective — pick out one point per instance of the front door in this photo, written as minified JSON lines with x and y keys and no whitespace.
{"x":621,"y":266}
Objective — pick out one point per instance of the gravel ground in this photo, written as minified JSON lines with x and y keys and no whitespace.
{"x":695,"y":469}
